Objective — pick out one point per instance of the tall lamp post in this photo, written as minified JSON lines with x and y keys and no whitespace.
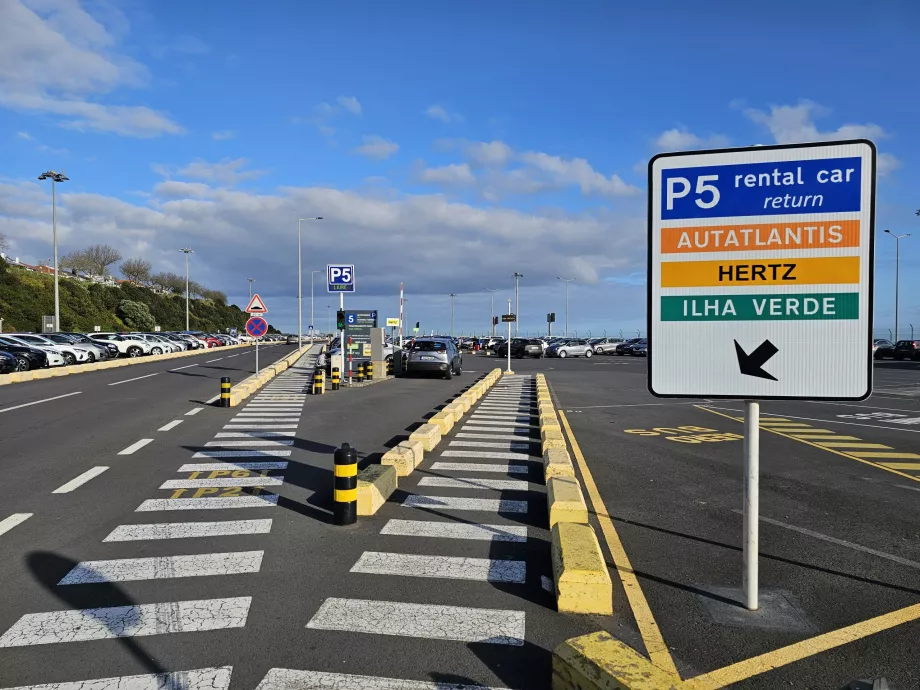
{"x":300,"y":284}
{"x":517,"y":304}
{"x":251,"y":281}
{"x":186,"y":251}
{"x":452,"y":295}
{"x":491,"y":309}
{"x":55,"y":177}
{"x":566,"y":281}
{"x":328,"y":318}
{"x":897,"y":281}
{"x":312,"y":328}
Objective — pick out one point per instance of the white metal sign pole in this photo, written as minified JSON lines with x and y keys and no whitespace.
{"x":401,"y":300}
{"x":342,"y":347}
{"x":751,"y":503}
{"x":257,"y":356}
{"x":509,"y":340}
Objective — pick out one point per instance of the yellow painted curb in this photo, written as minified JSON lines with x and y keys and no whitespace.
{"x":375,"y":485}
{"x":465,"y":402}
{"x":20,"y":376}
{"x":557,"y":463}
{"x":456,"y":409}
{"x":428,"y":434}
{"x":42,"y":374}
{"x":551,"y":439}
{"x":416,"y":448}
{"x":600,"y":662}
{"x":583,"y":584}
{"x":565,"y":501}
{"x":402,"y":459}
{"x":444,"y":421}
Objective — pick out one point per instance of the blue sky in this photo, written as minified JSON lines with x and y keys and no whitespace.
{"x":446,"y":145}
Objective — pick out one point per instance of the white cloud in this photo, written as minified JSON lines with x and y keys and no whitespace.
{"x":886,"y":163}
{"x":679,"y":139}
{"x":223,"y":134}
{"x":439,"y":112}
{"x":227,"y":171}
{"x":565,"y":172}
{"x":350,"y":103}
{"x":376,"y":147}
{"x":488,"y":153}
{"x":455,"y":174}
{"x":24,"y":135}
{"x":55,"y":57}
{"x":793,"y":124}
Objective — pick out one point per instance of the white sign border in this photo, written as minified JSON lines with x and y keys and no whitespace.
{"x":354,"y":281}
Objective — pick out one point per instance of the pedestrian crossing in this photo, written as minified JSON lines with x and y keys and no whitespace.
{"x":228,"y":473}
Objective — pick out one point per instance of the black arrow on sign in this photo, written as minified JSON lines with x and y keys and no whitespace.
{"x":752,"y":364}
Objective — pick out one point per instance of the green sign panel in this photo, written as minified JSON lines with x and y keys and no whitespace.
{"x":771,"y":307}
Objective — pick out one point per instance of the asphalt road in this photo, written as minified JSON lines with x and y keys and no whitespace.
{"x":839,"y":532}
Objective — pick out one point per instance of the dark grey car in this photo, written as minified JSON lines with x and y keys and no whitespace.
{"x":434,"y":355}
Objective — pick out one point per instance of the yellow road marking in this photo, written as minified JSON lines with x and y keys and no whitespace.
{"x":810,"y":431}
{"x":902,"y":465}
{"x":825,"y":437}
{"x":645,"y":620}
{"x":773,"y":419}
{"x":814,"y":445}
{"x":785,"y":424}
{"x":835,"y":444}
{"x":801,"y":650}
{"x":905,"y":456}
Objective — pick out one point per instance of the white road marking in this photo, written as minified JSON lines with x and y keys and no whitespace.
{"x":196,"y":679}
{"x":446,"y":567}
{"x":455,"y":530}
{"x":137,"y":445}
{"x":212,"y":466}
{"x":242,"y":454}
{"x":211,"y":400}
{"x":840,"y":542}
{"x":242,"y":444}
{"x":492,"y":505}
{"x":254,"y":434}
{"x":826,"y":421}
{"x":497,"y":426}
{"x":217,"y":503}
{"x":510,"y":417}
{"x":172,"y":425}
{"x":127,"y":621}
{"x":39,"y":402}
{"x":502,"y":435}
{"x":8,"y":523}
{"x":232,"y":356}
{"x":260,"y":426}
{"x":288,"y":679}
{"x":474,"y":483}
{"x":493,"y":626}
{"x":261,"y":415}
{"x":214,"y":360}
{"x":507,"y":468}
{"x":80,"y":480}
{"x":136,"y":378}
{"x":164,"y":567}
{"x":221,"y":482}
{"x":187,"y":366}
{"x":188,"y":530}
{"x":504,"y":445}
{"x":547,"y":584}
{"x":193,"y":411}
{"x":484,"y":454}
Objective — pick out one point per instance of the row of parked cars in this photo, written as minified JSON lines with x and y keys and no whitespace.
{"x":570,"y":347}
{"x":27,"y":351}
{"x":903,"y":349}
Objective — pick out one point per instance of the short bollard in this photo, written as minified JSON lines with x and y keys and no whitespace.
{"x":318,"y":382}
{"x":359,"y":375}
{"x":369,"y":371}
{"x":345,"y":507}
{"x":224,"y":391}
{"x":390,"y":367}
{"x":336,"y":379}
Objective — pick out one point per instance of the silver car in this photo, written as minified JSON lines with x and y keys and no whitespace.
{"x":575,"y":348}
{"x":434,"y":355}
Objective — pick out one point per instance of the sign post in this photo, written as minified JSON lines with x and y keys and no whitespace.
{"x":756,"y":257}
{"x":509,"y":318}
{"x":259,"y":325}
{"x":340,"y":278}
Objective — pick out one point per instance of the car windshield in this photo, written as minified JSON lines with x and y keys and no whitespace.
{"x":430,"y":346}
{"x":32,"y":339}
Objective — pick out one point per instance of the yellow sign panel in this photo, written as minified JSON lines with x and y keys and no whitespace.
{"x":394,"y":323}
{"x":366,"y":352}
{"x":751,"y":272}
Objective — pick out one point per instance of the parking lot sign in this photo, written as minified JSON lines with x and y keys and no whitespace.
{"x":760,"y":272}
{"x":340,"y":278}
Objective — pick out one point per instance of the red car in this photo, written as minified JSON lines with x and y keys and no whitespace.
{"x":209,"y":340}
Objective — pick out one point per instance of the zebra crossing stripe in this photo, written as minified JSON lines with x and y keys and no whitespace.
{"x":221,"y":482}
{"x":492,"y":505}
{"x":484,"y":454}
{"x":164,"y":567}
{"x":445,"y":567}
{"x":506,"y":467}
{"x":213,"y":466}
{"x":492,"y":626}
{"x":475,"y":483}
{"x":502,"y":445}
{"x":288,"y":679}
{"x":254,"y":434}
{"x":241,"y":444}
{"x":81,"y":625}
{"x":188,"y":530}
{"x":217,"y":503}
{"x":197,"y":679}
{"x":455,"y":530}
{"x":242,"y":454}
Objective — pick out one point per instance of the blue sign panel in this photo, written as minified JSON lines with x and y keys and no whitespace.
{"x":256,"y":326}
{"x":340,"y":278}
{"x":832,"y":185}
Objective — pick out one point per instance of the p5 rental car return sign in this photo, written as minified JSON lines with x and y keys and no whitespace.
{"x":760,"y":272}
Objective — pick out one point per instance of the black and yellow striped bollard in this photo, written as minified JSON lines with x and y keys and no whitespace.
{"x":345,"y":506}
{"x":369,"y":371}
{"x":318,"y":382}
{"x":224,"y":391}
{"x":390,"y":366}
{"x":359,"y":376}
{"x":336,"y":378}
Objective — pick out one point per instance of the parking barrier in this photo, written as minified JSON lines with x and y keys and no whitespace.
{"x":390,"y":367}
{"x":345,"y":505}
{"x":368,"y":371}
{"x":224,"y":391}
{"x":359,"y":374}
{"x":319,"y":381}
{"x":336,"y":379}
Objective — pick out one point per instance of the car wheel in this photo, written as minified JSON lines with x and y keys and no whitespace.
{"x":90,"y":357}
{"x":69,"y":359}
{"x":563,"y":354}
{"x":448,"y":375}
{"x":589,"y":354}
{"x":599,"y":351}
{"x":22,"y":364}
{"x":134,"y":351}
{"x":210,"y":345}
{"x":459,"y":371}
{"x":156,"y":351}
{"x":876,"y":356}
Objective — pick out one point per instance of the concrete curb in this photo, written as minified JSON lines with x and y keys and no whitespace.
{"x":583,"y":584}
{"x":600,"y":662}
{"x":566,"y":502}
{"x":250,"y":385}
{"x":375,"y":485}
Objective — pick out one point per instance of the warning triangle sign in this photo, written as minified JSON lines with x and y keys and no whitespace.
{"x":256,"y":305}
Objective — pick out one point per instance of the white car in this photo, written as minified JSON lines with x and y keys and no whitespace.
{"x":127,"y":345}
{"x":55,"y":358}
{"x":158,"y":345}
{"x":72,"y":354}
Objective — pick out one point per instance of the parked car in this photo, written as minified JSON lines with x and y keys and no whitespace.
{"x":494,"y":342}
{"x":95,"y":351}
{"x":439,"y":355}
{"x":605,"y":346}
{"x":570,"y":348}
{"x":28,"y":358}
{"x":907,"y":349}
{"x":624,"y":348}
{"x":85,"y":339}
{"x":520,"y":348}
{"x":127,"y":345}
{"x":7,"y":363}
{"x":183,"y":345}
{"x":882,"y":348}
{"x":639,"y":349}
{"x":71,"y":353}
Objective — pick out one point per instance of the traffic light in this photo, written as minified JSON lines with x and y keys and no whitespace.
{"x":416,"y":325}
{"x":340,"y":320}
{"x":494,"y":320}
{"x":551,"y":317}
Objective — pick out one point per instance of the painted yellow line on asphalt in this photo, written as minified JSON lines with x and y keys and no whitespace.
{"x":824,"y":437}
{"x":794,"y":432}
{"x":642,"y":612}
{"x":844,"y":444}
{"x":793,"y":437}
{"x":902,"y":465}
{"x":757,"y":665}
{"x":902,"y":456}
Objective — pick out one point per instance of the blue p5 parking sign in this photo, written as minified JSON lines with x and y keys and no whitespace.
{"x":340,"y":277}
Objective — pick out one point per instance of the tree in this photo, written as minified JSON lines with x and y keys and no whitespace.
{"x":215,"y":296}
{"x":78,"y":261}
{"x":195,"y":289}
{"x":169,"y":281}
{"x":136,"y":270}
{"x":100,"y":257}
{"x":136,"y":315}
{"x":4,"y":244}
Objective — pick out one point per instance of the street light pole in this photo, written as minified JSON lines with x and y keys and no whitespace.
{"x":55,"y":177}
{"x":452,"y":295}
{"x":312,"y":329}
{"x":300,"y":284}
{"x":566,"y":281}
{"x":517,"y":304}
{"x":897,"y":281}
{"x":186,"y":251}
{"x":491,"y":309}
{"x":328,"y":319}
{"x":251,"y":281}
